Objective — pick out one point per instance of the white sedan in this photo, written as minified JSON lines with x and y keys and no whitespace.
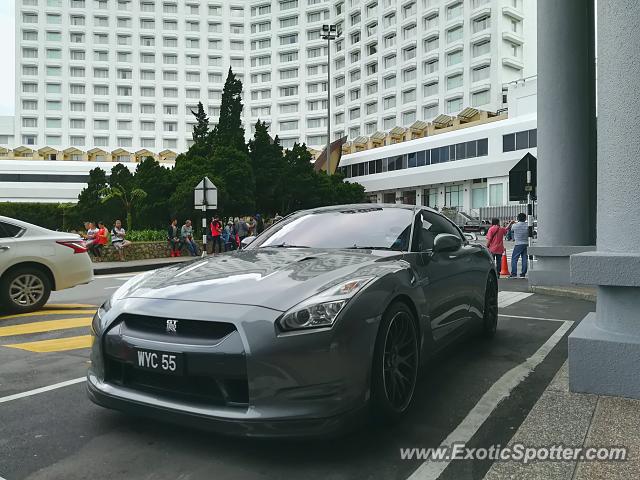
{"x":34,"y":261}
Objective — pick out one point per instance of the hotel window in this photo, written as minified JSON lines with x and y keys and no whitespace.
{"x":147,"y":126}
{"x":481,"y":23}
{"x":29,"y":18}
{"x":409,"y":53}
{"x":124,"y":74}
{"x":170,"y":59}
{"x":289,"y":108}
{"x":147,"y":58}
{"x":288,"y":91}
{"x":313,"y":35}
{"x":288,"y":74}
{"x":481,"y":48}
{"x":124,"y":91}
{"x":390,"y":82}
{"x":409,"y":117}
{"x":339,"y":118}
{"x":170,"y":76}
{"x":355,"y":38}
{"x":355,"y":75}
{"x":371,"y":108}
{"x":77,"y":106}
{"x":170,"y":92}
{"x":289,"y":125}
{"x":124,"y":125}
{"x":340,"y":81}
{"x":54,"y":36}
{"x":390,"y":61}
{"x":431,"y":66}
{"x":430,"y":89}
{"x":431,"y":44}
{"x":431,"y":22}
{"x":289,"y":39}
{"x":29,"y":88}
{"x":54,"y":88}
{"x":372,"y":68}
{"x":76,"y":37}
{"x":339,"y":100}
{"x":29,"y":36}
{"x":389,"y":41}
{"x":101,"y":107}
{"x":57,"y":71}
{"x":257,"y":44}
{"x":496,"y":195}
{"x":288,"y":22}
{"x":354,"y":94}
{"x":101,"y":124}
{"x":454,"y":11}
{"x":54,"y":54}
{"x":101,"y":56}
{"x":29,"y":70}
{"x":53,"y":19}
{"x":372,"y":88}
{"x":454,"y":34}
{"x":409,"y":96}
{"x":170,"y":143}
{"x":124,"y":39}
{"x":147,"y":109}
{"x":454,"y":58}
{"x":147,"y":92}
{"x":101,"y":21}
{"x":430,"y":111}
{"x":170,"y":126}
{"x":147,"y":41}
{"x":215,"y":28}
{"x":354,"y":113}
{"x":170,"y":8}
{"x":125,"y":108}
{"x":170,"y":25}
{"x":193,"y":76}
{"x":124,"y":57}
{"x":372,"y":29}
{"x":77,"y":89}
{"x":215,"y":78}
{"x":215,"y":10}
{"x":237,"y":12}
{"x":409,"y":74}
{"x":454,"y":105}
{"x":53,"y":140}
{"x":389,"y":20}
{"x":101,"y":38}
{"x":77,"y":141}
{"x":316,"y":122}
{"x":170,"y":110}
{"x":481,"y":73}
{"x":100,"y":73}
{"x":409,"y":32}
{"x":454,"y":81}
{"x":147,"y":75}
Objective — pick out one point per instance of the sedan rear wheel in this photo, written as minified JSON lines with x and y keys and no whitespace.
{"x":25,"y":290}
{"x":395,"y":367}
{"x":490,"y":319}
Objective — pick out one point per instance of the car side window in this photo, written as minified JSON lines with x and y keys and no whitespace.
{"x":9,"y":231}
{"x":430,"y":227}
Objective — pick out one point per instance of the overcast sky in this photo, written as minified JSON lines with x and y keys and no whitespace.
{"x":7,"y":57}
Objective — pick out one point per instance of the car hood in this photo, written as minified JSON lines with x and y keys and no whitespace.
{"x":276,"y":278}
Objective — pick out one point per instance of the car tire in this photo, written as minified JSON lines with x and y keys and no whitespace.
{"x":490,"y":316}
{"x":395,"y":364}
{"x":24,"y":290}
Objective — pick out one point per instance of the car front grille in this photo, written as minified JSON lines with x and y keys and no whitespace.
{"x":204,"y":331}
{"x":195,"y":389}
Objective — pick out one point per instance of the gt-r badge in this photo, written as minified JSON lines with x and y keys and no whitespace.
{"x":172,"y":326}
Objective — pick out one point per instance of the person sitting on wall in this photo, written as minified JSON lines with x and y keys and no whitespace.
{"x":173,"y":237}
{"x":118,"y":239}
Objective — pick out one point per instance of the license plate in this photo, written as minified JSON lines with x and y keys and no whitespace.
{"x":171,"y":363}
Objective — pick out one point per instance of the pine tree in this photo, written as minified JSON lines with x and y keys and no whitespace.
{"x":229,"y":131}
{"x":268,"y":167}
{"x":201,"y":128}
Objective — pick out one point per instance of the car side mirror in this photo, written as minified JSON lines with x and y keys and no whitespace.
{"x":247,"y":241}
{"x":471,"y":237}
{"x":446,"y":242}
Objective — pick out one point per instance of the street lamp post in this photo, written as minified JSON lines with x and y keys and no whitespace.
{"x":329,"y":32}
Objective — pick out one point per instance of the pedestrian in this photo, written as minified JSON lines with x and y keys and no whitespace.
{"x":118,"y":239}
{"x":173,"y":237}
{"x":259,"y":224}
{"x":520,"y":231}
{"x":495,"y":242}
{"x":229,"y":237}
{"x":186,"y":235}
{"x":102,"y":238}
{"x":215,"y":229}
{"x":242,"y":228}
{"x":253,"y":224}
{"x":90,"y":237}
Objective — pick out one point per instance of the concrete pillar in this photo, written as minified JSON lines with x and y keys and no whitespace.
{"x":604,"y":350}
{"x":566,"y":137}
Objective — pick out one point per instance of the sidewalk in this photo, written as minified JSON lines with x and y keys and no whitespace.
{"x":575,"y":420}
{"x":106,"y":268}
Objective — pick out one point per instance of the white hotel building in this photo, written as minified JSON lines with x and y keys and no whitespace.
{"x":116,"y":80}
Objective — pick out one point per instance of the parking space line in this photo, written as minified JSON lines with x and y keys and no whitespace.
{"x":36,"y":391}
{"x":65,"y":306}
{"x":499,"y":391}
{"x":536,"y":318}
{"x":509,"y":298}
{"x":46,"y":326}
{"x":55,"y":345}
{"x":41,"y":313}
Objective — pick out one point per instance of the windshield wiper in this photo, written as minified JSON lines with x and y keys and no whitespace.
{"x":285,"y":245}
{"x":358,"y":247}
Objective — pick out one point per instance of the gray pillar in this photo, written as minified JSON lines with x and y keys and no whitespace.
{"x":604,"y":350}
{"x":566,"y":137}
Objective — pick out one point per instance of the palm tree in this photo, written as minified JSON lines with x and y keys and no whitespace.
{"x":128,"y":199}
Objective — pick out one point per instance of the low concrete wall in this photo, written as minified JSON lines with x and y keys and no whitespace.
{"x":141,"y":251}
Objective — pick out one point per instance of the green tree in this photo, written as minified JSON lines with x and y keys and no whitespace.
{"x":89,"y":207}
{"x":158,"y":182}
{"x":122,"y":191}
{"x":236,"y":185}
{"x":268,"y":165}
{"x":229,"y":130}
{"x":201,"y":128}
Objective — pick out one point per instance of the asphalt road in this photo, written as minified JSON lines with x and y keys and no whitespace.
{"x":59,"y":434}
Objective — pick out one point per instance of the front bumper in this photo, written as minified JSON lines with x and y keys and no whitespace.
{"x":303,"y":384}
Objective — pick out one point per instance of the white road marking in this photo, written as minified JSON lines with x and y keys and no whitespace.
{"x":111,"y":288}
{"x":119,"y":276}
{"x":509,"y":298}
{"x":41,"y":390}
{"x":488,"y":403}
{"x":536,"y":318}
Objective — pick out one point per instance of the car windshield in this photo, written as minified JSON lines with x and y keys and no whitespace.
{"x":357,"y":228}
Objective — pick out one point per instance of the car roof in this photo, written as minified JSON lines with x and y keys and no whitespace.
{"x":367,"y":206}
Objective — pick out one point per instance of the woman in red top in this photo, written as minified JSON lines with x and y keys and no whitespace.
{"x":495,"y":241}
{"x":102,"y":238}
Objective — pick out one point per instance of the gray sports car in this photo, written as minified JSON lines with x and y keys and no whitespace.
{"x":323,"y":319}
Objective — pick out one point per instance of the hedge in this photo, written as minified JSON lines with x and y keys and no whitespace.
{"x":54,"y":216}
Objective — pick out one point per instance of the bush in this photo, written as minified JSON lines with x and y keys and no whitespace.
{"x":147,"y":235}
{"x":54,"y":216}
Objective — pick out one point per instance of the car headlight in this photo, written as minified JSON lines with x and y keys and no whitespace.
{"x":321,"y":311}
{"x":97,"y":324}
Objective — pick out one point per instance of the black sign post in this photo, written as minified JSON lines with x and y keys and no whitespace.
{"x":523,"y":180}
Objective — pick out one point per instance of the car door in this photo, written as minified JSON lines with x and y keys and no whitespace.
{"x":445,"y":277}
{"x":7,"y":244}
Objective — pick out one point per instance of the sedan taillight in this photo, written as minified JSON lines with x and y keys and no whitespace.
{"x":78,"y":246}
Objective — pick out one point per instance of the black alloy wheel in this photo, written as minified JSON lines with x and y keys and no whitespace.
{"x":490,"y":319}
{"x":396,"y":363}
